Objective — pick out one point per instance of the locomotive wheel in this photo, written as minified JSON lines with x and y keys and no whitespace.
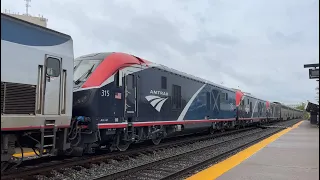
{"x":4,"y":166}
{"x":211,"y":130}
{"x":122,"y":145}
{"x":156,"y":140}
{"x":8,"y":165}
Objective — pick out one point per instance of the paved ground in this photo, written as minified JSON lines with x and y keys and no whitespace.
{"x":293,"y":156}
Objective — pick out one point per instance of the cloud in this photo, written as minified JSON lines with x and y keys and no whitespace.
{"x":259,"y":46}
{"x":282,"y":39}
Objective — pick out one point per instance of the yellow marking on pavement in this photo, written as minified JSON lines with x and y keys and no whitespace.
{"x":218,"y":169}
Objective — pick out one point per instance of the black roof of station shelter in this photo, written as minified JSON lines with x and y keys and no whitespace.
{"x":312,"y":108}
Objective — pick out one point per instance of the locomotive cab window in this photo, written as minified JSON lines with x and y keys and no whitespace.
{"x":163,"y":82}
{"x":53,"y":67}
{"x":117,"y":79}
{"x":84,"y":69}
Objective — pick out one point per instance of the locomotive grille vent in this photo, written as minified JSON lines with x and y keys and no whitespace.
{"x":18,"y":98}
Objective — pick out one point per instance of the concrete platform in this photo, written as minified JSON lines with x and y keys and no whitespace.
{"x":292,"y":156}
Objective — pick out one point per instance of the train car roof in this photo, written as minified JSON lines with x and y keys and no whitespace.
{"x":11,"y":18}
{"x":163,"y":67}
{"x":130,"y":61}
{"x":287,"y":106}
{"x":252,"y":96}
{"x":249,"y":95}
{"x":124,"y":59}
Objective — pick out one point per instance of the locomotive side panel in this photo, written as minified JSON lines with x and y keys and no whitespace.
{"x":133,"y":100}
{"x":284,"y":113}
{"x":271,"y":112}
{"x":164,"y":95}
{"x":252,"y":109}
{"x":36,"y":72}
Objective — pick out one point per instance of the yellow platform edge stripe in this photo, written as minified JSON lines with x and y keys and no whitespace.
{"x":26,"y":154}
{"x":218,"y":169}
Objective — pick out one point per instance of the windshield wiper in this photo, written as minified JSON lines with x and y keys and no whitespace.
{"x":85,"y":75}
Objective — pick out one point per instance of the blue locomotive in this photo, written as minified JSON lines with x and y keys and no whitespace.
{"x":121,"y":99}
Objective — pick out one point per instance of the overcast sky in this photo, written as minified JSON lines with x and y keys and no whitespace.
{"x":259,"y":46}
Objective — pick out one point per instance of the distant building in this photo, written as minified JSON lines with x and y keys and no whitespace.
{"x":41,"y":21}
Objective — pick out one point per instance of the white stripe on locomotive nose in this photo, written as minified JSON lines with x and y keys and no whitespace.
{"x":185,"y":109}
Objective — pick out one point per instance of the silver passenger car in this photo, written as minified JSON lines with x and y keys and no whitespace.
{"x":36,"y":87}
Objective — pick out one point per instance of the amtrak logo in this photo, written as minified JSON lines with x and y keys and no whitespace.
{"x":156,"y":101}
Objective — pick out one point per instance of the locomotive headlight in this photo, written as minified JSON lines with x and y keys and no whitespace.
{"x":81,"y":100}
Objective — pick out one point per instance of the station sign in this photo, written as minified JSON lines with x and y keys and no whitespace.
{"x":313,"y":73}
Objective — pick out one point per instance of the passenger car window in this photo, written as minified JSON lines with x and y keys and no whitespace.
{"x":53,"y":67}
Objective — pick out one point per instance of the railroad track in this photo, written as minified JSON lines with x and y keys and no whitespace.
{"x":28,"y":171}
{"x":76,"y":164}
{"x":176,"y":166}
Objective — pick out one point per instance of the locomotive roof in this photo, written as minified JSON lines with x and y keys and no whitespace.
{"x":249,"y":94}
{"x":163,"y":67}
{"x":93,"y":56}
{"x":103,"y":55}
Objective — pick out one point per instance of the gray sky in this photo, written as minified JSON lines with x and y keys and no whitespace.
{"x":257,"y":45}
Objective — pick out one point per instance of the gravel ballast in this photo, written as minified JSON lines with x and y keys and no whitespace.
{"x":113,"y":166}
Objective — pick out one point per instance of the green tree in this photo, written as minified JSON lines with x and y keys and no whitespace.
{"x":301,"y":107}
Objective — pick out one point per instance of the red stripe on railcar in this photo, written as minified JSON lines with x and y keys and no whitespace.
{"x":239,"y":96}
{"x":109,"y":66}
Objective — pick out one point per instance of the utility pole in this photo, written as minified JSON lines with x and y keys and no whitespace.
{"x":27,"y":6}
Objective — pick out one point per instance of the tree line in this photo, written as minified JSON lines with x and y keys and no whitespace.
{"x":301,"y":107}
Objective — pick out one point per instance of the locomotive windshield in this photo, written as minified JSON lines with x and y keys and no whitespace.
{"x":83,"y":69}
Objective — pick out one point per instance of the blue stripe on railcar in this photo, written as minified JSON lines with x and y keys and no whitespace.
{"x":209,"y":103}
{"x":18,"y":31}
